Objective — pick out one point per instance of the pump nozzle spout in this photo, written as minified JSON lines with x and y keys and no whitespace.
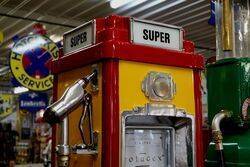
{"x":71,"y":99}
{"x":85,"y":80}
{"x":91,"y":76}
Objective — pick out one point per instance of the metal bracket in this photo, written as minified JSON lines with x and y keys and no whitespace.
{"x":94,"y":81}
{"x":63,"y":152}
{"x":84,"y":149}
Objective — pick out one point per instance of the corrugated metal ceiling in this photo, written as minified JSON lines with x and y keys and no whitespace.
{"x":192,"y":15}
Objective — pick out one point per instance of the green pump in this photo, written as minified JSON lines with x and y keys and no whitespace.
{"x":228,"y":83}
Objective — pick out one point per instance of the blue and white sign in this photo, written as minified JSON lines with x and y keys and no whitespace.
{"x":33,"y":101}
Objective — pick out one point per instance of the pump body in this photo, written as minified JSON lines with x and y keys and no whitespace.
{"x":142,"y":91}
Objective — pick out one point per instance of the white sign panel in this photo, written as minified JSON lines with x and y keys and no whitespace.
{"x":148,"y":148}
{"x":79,"y":38}
{"x":156,"y":34}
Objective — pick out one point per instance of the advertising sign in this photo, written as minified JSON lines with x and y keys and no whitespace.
{"x":33,"y":101}
{"x":28,"y":59}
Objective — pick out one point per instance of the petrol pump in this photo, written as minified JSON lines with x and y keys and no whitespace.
{"x":228,"y":83}
{"x":127,"y":93}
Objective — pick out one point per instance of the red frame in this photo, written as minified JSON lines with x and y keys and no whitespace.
{"x":111,"y":114}
{"x":54,"y":127}
{"x":198,"y":119}
{"x":113,"y":44}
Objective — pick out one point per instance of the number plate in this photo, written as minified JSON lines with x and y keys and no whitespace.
{"x":79,"y":38}
{"x":156,"y":34}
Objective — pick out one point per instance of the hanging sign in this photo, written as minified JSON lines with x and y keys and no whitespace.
{"x":28,"y":59}
{"x":6,"y":103}
{"x":33,"y":101}
{"x":79,"y":38}
{"x":156,"y":34}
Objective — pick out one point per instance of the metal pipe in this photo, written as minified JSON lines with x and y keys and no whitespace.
{"x":217,"y":135}
{"x":63,"y":149}
{"x":65,"y":131}
{"x":227,"y":27}
{"x":221,"y":158}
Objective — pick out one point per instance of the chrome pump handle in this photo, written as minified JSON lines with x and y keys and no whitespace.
{"x":87,"y":111}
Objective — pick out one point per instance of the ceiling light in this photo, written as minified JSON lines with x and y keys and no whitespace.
{"x":118,"y":3}
{"x":20,"y":89}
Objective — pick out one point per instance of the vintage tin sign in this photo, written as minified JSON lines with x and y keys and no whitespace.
{"x":28,"y":59}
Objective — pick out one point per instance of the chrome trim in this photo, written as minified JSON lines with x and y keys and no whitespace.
{"x":181,"y":39}
{"x":94,"y":31}
{"x":148,"y":84}
{"x":131,"y":30}
{"x":157,"y":23}
{"x":149,"y":128}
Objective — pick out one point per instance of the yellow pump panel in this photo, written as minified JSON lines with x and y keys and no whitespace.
{"x":131,"y":75}
{"x":64,"y":80}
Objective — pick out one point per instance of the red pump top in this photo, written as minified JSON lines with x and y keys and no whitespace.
{"x":113,"y":42}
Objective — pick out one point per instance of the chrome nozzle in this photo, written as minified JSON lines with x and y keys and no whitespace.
{"x":71,"y":98}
